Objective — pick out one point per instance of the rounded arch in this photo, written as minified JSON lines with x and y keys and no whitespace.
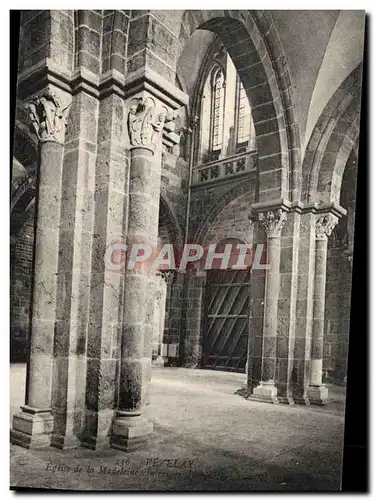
{"x":254,"y":46}
{"x":327,"y":151}
{"x":331,"y":175}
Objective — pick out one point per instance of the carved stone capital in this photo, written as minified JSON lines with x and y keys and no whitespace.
{"x":273,"y":222}
{"x":325,"y":225}
{"x":146,"y":121}
{"x":48,"y":116}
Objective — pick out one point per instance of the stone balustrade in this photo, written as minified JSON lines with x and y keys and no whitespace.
{"x":226,"y":167}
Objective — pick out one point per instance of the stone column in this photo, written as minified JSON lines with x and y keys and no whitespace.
{"x":156,"y":313}
{"x":318,"y":392}
{"x":146,"y":120}
{"x":166,"y":279}
{"x":273,"y":222}
{"x":34,"y":425}
{"x":194,"y":298}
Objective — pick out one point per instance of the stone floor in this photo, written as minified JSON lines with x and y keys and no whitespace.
{"x":207,"y":438}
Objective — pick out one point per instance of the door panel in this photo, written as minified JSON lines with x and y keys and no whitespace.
{"x":226,"y":326}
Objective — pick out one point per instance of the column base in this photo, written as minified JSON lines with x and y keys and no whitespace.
{"x":95,"y":443}
{"x":318,"y":395}
{"x":301,"y":400}
{"x":130,"y":432}
{"x":65,"y":442}
{"x":264,"y":392}
{"x":286,"y":400}
{"x":32,"y":428}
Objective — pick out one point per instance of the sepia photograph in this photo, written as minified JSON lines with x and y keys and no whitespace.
{"x":183,"y":192}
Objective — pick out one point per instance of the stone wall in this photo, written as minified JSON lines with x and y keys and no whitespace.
{"x":21,"y":287}
{"x":337,"y":315}
{"x":209,"y":200}
{"x":174,"y":183}
{"x":233,"y":221}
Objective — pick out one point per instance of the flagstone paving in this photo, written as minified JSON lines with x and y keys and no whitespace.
{"x":206,"y":438}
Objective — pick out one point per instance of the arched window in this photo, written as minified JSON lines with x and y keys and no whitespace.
{"x":243,"y":118}
{"x":217,"y":111}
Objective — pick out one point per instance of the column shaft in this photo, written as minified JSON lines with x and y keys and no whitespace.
{"x":319,"y":304}
{"x":273,"y":222}
{"x":130,"y":429}
{"x":318,"y":392}
{"x":194,"y":298}
{"x":45,"y":269}
{"x":33,"y":427}
{"x":266,"y":390}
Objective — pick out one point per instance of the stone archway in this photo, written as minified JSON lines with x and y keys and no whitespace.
{"x":331,"y":142}
{"x":247,"y":36}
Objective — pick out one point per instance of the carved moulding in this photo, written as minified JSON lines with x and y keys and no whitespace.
{"x":48,"y":116}
{"x":146,"y":123}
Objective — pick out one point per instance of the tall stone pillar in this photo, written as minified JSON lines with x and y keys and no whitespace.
{"x":159,"y":317}
{"x":194,"y":298}
{"x":273,"y":222}
{"x":146,"y":120}
{"x":318,"y":392}
{"x":34,"y":425}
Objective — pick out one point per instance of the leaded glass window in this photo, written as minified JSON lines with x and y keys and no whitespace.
{"x":217,"y":110}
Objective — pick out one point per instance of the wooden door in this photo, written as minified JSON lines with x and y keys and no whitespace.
{"x":227,"y":320}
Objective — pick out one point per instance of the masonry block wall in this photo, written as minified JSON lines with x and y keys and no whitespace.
{"x":208,"y":200}
{"x":233,"y":221}
{"x":174,"y":183}
{"x":21,"y":286}
{"x":337,"y":315}
{"x":339,"y":278}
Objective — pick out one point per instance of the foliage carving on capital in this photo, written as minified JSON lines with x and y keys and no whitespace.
{"x":325,"y":225}
{"x":273,"y":222}
{"x":48,"y":117}
{"x":145,"y":124}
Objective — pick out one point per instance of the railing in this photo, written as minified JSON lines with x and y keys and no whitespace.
{"x":224,"y":168}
